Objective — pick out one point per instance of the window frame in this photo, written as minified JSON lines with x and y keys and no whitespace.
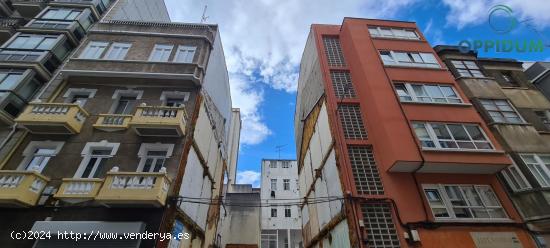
{"x":124,"y":47}
{"x":436,"y":141}
{"x":501,"y":112}
{"x":19,"y":74}
{"x":87,"y":156}
{"x":72,"y":92}
{"x":288,"y":212}
{"x":412,"y":56}
{"x":183,"y":50}
{"x":143,"y":155}
{"x":70,"y":11}
{"x":392,"y":30}
{"x":102,"y":48}
{"x":273,"y":212}
{"x":467,"y":69}
{"x":286,"y":184}
{"x":273,"y":184}
{"x":411,"y":93}
{"x":55,"y":38}
{"x":449,"y":207}
{"x":156,"y":47}
{"x":544,"y":118}
{"x":537,"y":169}
{"x":30,"y":153}
{"x":517,"y":178}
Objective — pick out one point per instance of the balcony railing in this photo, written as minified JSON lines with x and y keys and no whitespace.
{"x":11,"y":23}
{"x":53,"y":118}
{"x":113,"y":122}
{"x":75,"y":190}
{"x":21,"y":188}
{"x":29,"y":8}
{"x":159,"y":121}
{"x":134,"y":188}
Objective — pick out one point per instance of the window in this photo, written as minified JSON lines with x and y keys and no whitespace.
{"x":544,"y":116}
{"x":161,"y":53}
{"x":185,"y":54}
{"x":61,"y":14}
{"x":464,"y":202}
{"x":333,"y":51}
{"x":9,"y":80}
{"x":273,"y":212}
{"x":153,"y":156}
{"x":154,"y":161}
{"x":94,"y":50}
{"x":515,"y":178}
{"x":451,"y":136}
{"x":397,"y":33}
{"x":288,"y":213}
{"x":118,"y":51}
{"x":79,"y":96}
{"x":467,"y":68}
{"x":125,"y":105}
{"x":427,"y":93}
{"x":501,"y":111}
{"x":272,"y":164}
{"x":413,"y":59}
{"x":95,"y":155}
{"x":539,"y":166}
{"x":174,"y":98}
{"x":286,"y":164}
{"x":286,"y":184}
{"x":273,"y":184}
{"x":40,"y":42}
{"x":509,"y":78}
{"x":38,"y":153}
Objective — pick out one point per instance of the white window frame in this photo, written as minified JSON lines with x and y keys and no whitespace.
{"x":412,"y":56}
{"x":515,"y":178}
{"x":120,"y":93}
{"x":146,"y":147}
{"x":415,"y":98}
{"x":32,"y":147}
{"x":71,"y":92}
{"x":449,"y":206}
{"x":273,"y":184}
{"x":185,"y":54}
{"x":87,"y":156}
{"x":539,"y":170}
{"x":163,"y":52}
{"x":470,"y":71}
{"x":394,"y":31}
{"x":165,"y":95}
{"x":122,"y":51}
{"x":285,"y":164}
{"x":100,"y":46}
{"x":501,"y":112}
{"x":273,"y":164}
{"x":434,"y":139}
{"x":286,"y":184}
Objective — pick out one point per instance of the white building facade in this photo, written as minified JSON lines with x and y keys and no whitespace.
{"x":281,"y":220}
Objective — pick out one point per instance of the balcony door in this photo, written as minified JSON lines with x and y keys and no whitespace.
{"x":95,"y":163}
{"x":40,"y":159}
{"x":125,"y":105}
{"x":154,"y":161}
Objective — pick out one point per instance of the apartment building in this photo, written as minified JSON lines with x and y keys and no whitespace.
{"x":538,"y":73}
{"x":128,"y":133}
{"x":385,"y":133}
{"x":518,"y":114}
{"x":281,"y":221}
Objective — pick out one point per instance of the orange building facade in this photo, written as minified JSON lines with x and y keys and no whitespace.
{"x":416,"y":165}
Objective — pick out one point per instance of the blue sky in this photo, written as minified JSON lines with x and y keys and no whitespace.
{"x":264,"y":39}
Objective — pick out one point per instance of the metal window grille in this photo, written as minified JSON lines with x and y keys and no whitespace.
{"x":365,"y":171}
{"x":381,"y":231}
{"x":352,"y":123}
{"x":341,"y":83}
{"x":333,"y":51}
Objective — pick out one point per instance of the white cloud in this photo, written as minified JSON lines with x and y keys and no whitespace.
{"x":264,"y":39}
{"x":249,"y":177}
{"x":473,"y":12}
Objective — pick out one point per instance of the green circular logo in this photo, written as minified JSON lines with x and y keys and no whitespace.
{"x":502,"y":19}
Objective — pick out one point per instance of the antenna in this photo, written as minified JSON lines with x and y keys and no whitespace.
{"x":204,"y":17}
{"x":279,"y":148}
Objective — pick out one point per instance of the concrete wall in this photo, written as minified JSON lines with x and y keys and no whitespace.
{"x":241,"y":221}
{"x":233,"y":147}
{"x":139,"y":10}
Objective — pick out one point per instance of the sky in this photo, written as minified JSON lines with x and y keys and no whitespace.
{"x":263,"y":42}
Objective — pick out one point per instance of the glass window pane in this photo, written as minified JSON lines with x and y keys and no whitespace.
{"x":416,"y":57}
{"x":475,"y":132}
{"x":402,"y":92}
{"x":470,"y":65}
{"x":10,"y":81}
{"x":458,"y":64}
{"x":402,"y":57}
{"x":428,"y":58}
{"x":448,"y":91}
{"x":386,"y":32}
{"x":421,"y":131}
{"x":373,"y":31}
{"x":471,"y":196}
{"x":47,"y":44}
{"x":458,"y":132}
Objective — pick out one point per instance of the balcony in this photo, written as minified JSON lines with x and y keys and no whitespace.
{"x":159,"y":121}
{"x":97,"y":6}
{"x":76,"y":190}
{"x":112,"y":122}
{"x":134,"y":189}
{"x":29,"y":8}
{"x":74,"y":30}
{"x":44,"y":62}
{"x":8,"y":27}
{"x":21,"y":188}
{"x":53,"y":118}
